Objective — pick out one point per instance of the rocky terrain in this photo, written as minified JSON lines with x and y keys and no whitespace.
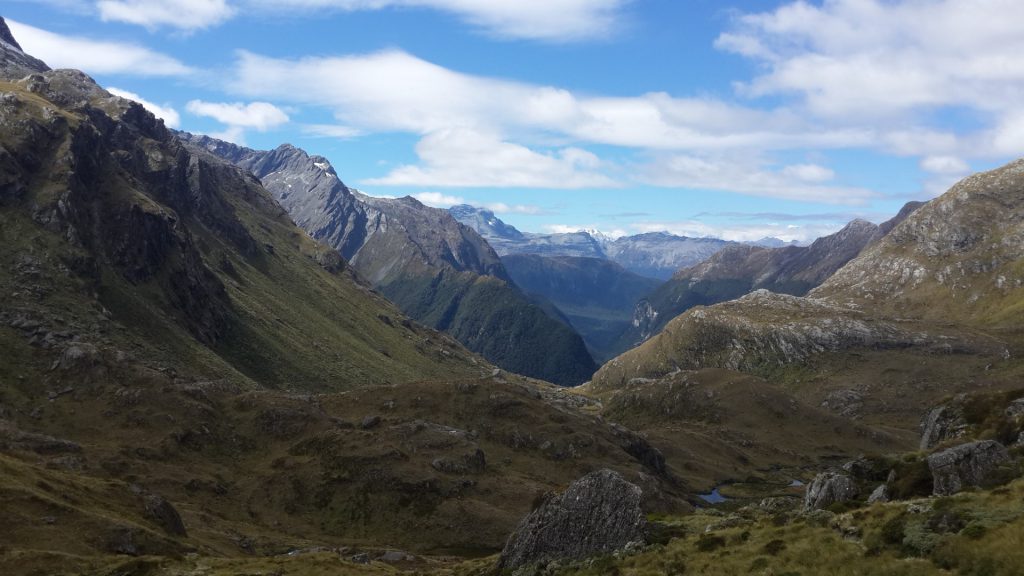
{"x":741,"y":269}
{"x":187,"y":372}
{"x":920,"y":313}
{"x":595,"y":294}
{"x":436,"y":270}
{"x":653,"y":255}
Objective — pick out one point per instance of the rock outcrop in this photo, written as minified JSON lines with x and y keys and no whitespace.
{"x":967,"y":465}
{"x":943,"y":423}
{"x":598,"y":514}
{"x":829,"y":488}
{"x":14,"y":63}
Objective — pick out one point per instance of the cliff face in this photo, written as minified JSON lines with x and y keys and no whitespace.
{"x":435,"y":269}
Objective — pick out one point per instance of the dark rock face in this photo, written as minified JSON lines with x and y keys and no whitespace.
{"x":966,"y":465}
{"x":597,"y":514}
{"x":829,"y":488}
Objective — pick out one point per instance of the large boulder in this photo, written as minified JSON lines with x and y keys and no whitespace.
{"x":829,"y":488}
{"x":943,"y":423}
{"x":598,"y":514}
{"x":972,"y":464}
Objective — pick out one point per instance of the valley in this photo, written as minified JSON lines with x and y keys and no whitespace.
{"x":216,"y":359}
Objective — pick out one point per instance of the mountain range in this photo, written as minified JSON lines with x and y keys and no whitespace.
{"x":654,"y":255}
{"x":436,"y":270}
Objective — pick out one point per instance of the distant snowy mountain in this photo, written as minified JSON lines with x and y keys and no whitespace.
{"x":772,"y":242}
{"x":654,"y":255}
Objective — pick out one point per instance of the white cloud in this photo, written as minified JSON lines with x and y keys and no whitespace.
{"x":878,"y":58}
{"x":331,"y":131}
{"x":1008,"y":136}
{"x":944,"y":165}
{"x":547,"y":20}
{"x":809,"y":173}
{"x":502,"y":208}
{"x":745,"y":176}
{"x":259,"y":115}
{"x":439,"y":200}
{"x":398,"y":91}
{"x":95,"y":56}
{"x":462,"y":158}
{"x":239,"y":117}
{"x":742,"y":232}
{"x":183,"y":14}
{"x":166,"y":113}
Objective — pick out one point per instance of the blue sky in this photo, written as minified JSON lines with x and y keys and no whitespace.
{"x":737,"y":119}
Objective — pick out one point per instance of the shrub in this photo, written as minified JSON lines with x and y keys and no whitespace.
{"x":892,"y":530}
{"x":974,"y":530}
{"x":710,"y":543}
{"x":774,"y":547}
{"x":913,"y":479}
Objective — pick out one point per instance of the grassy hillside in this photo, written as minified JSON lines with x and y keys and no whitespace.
{"x":494,"y":319}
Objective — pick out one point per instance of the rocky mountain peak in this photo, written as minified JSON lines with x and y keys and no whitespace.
{"x":6,"y":36}
{"x":14,"y":63}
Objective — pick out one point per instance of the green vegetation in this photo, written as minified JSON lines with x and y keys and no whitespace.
{"x":495,"y":320}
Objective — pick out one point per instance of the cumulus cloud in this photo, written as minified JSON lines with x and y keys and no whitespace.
{"x":877,"y":58}
{"x":944,"y":165}
{"x":182,"y":14}
{"x":547,"y":20}
{"x":400,"y":92}
{"x":168,"y":114}
{"x":239,"y":117}
{"x":259,"y":115}
{"x":464,"y":158}
{"x":438,"y":199}
{"x":95,"y":56}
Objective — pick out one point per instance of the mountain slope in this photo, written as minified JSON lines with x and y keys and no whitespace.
{"x":436,"y":270}
{"x":958,"y":258}
{"x":923,"y":312}
{"x":741,"y":269}
{"x":595,"y":294}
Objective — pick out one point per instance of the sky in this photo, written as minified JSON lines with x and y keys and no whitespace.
{"x":739,"y":119}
